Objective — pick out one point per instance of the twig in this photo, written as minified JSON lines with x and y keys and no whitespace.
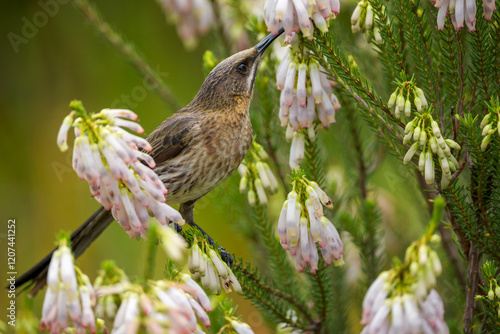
{"x":359,"y":153}
{"x":473,"y":258}
{"x":128,"y":51}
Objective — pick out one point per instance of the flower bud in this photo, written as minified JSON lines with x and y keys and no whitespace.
{"x":242,"y":170}
{"x":491,"y":295}
{"x":409,"y":127}
{"x":435,"y":129}
{"x":436,"y":264}
{"x":453,"y":144}
{"x":421,"y":96}
{"x":311,"y":134}
{"x":289,"y":132}
{"x":290,"y":83}
{"x":392,"y":99}
{"x":263,"y":174}
{"x":486,"y":129}
{"x":418,"y":103}
{"x":414,"y":268}
{"x":243,"y":184}
{"x":416,"y":133}
{"x":429,"y":168}
{"x":62,"y":136}
{"x":433,"y":145}
{"x":485,"y":120}
{"x":407,"y":137}
{"x":252,"y":198}
{"x":484,"y":143}
{"x":400,"y":101}
{"x":423,"y":138}
{"x":369,"y":18}
{"x":407,"y":108}
{"x":261,"y":194}
{"x":356,"y":14}
{"x":421,"y":162}
{"x":445,"y":166}
{"x":410,"y":153}
{"x":422,"y":255}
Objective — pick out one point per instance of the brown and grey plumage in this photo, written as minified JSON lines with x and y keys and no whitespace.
{"x":195,"y":149}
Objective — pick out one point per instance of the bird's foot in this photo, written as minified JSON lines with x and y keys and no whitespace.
{"x":178,"y":228}
{"x":226,"y":257}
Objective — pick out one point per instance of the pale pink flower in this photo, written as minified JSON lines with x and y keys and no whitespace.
{"x":193,"y":18}
{"x":214,"y":273}
{"x":64,"y":297}
{"x":462,"y":11}
{"x":297,"y":15}
{"x":299,"y":233}
{"x":119,"y":171}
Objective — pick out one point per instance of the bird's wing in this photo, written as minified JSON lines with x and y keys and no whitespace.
{"x":172,"y":136}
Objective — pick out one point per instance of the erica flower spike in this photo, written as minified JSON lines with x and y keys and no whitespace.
{"x":69,"y":294}
{"x":296,"y":16}
{"x":302,"y":224}
{"x":115,"y":164}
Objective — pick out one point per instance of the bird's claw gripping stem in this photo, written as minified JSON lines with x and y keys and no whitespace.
{"x":226,"y":257}
{"x":178,"y":228}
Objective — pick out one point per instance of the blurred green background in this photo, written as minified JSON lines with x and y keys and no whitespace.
{"x":63,"y":59}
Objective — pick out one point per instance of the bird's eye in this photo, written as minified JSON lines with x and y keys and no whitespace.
{"x":243,"y":68}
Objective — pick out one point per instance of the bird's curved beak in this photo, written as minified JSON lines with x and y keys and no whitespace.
{"x":262,"y":45}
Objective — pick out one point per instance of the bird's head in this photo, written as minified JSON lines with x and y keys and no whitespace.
{"x":233,"y":77}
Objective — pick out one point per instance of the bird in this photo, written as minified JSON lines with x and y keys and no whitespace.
{"x":194,"y":149}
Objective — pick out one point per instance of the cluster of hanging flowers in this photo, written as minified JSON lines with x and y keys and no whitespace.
{"x":363,"y":19}
{"x":69,"y":295}
{"x":402,"y":98}
{"x":302,"y":224}
{"x":403,"y":299}
{"x":306,"y":98}
{"x":492,"y":298}
{"x":298,"y":16}
{"x":162,"y":306}
{"x":427,"y":137}
{"x":193,"y":18}
{"x":425,"y":133}
{"x":256,"y":175}
{"x":119,"y":174}
{"x":462,"y":10}
{"x":207,"y":266}
{"x":306,"y":91}
{"x":490,"y":123}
